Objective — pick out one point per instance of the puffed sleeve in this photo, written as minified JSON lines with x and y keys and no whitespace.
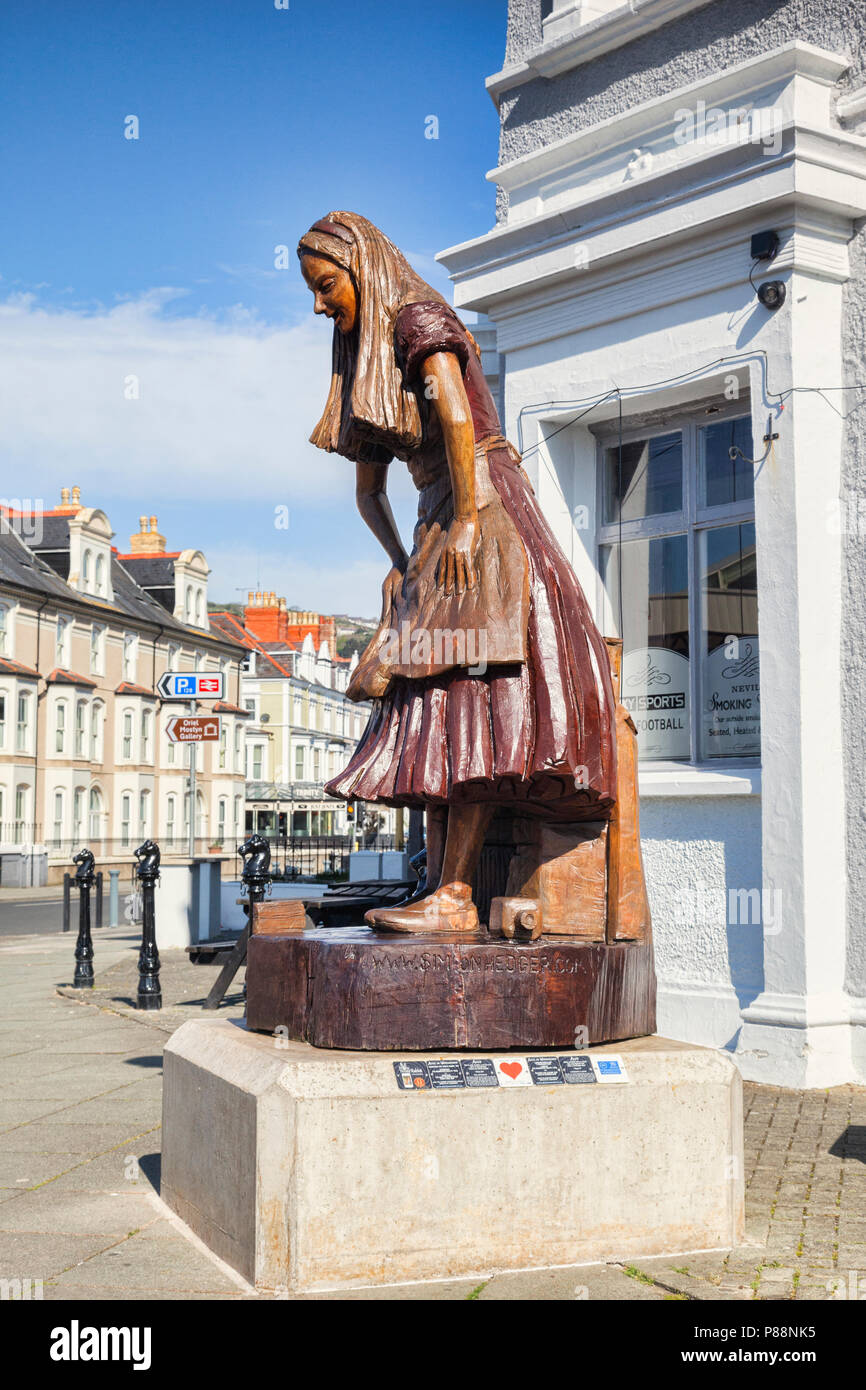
{"x":422,"y":329}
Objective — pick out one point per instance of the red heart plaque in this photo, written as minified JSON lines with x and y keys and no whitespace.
{"x":512,"y":1069}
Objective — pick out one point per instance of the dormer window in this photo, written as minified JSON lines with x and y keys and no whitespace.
{"x":86,"y":570}
{"x":100,"y":576}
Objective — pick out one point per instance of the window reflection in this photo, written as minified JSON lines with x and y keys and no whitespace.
{"x":726,"y":479}
{"x":731,"y":722}
{"x":648,"y":481}
{"x":655,"y":622}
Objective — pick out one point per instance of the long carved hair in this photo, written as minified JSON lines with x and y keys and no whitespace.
{"x":370,"y":414}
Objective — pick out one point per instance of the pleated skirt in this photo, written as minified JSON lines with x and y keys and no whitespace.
{"x":538,"y":737}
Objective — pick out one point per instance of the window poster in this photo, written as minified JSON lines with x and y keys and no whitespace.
{"x":732,"y":700}
{"x":655,"y":691}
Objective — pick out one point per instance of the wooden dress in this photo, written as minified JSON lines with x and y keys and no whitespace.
{"x":533,"y":726}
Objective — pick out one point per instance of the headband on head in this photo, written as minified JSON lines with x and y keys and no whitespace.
{"x":326,"y":238}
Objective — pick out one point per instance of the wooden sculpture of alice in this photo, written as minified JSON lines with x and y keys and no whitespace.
{"x":490,"y":682}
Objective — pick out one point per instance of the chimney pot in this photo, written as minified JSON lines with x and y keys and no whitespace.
{"x":76,"y":495}
{"x":153,"y":523}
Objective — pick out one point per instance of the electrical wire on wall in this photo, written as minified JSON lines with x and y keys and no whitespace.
{"x":694,"y":375}
{"x":734,"y":452}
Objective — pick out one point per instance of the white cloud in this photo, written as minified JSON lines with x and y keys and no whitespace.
{"x":224,"y":405}
{"x":224,"y":412}
{"x":339,"y":586}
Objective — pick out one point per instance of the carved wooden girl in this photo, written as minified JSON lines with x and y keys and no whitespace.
{"x":491,"y":683}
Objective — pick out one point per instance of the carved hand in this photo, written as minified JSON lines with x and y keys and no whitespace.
{"x":391,"y":588}
{"x":456,"y":570}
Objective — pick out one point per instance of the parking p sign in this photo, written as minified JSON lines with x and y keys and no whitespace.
{"x":191,"y":685}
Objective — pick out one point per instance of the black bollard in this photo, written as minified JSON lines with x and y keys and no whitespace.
{"x":83,"y":880}
{"x":256,"y":876}
{"x":256,"y":879}
{"x":147,"y":871}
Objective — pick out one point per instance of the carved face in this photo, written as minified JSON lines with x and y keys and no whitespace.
{"x":333,"y":289}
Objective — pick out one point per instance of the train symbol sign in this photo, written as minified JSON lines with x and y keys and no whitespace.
{"x":191,"y":685}
{"x":194,"y":729}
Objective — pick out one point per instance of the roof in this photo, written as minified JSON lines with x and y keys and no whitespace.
{"x":233,"y":628}
{"x":8,"y":667}
{"x":267,"y":653}
{"x":22,"y":567}
{"x":60,"y":676}
{"x":225,"y":707}
{"x":266,"y":665}
{"x":130,"y":688}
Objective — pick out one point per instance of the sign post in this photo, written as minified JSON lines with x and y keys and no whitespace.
{"x":192,"y":788}
{"x":192,"y":686}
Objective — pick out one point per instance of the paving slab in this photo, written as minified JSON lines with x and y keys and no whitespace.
{"x":580,"y":1283}
{"x":48,"y":1210}
{"x":24,"y":1111}
{"x":139,"y":1263}
{"x":143,"y":1111}
{"x":30,"y":1255}
{"x":129,"y":1168}
{"x":49,"y":1136}
{"x":24,"y":1169}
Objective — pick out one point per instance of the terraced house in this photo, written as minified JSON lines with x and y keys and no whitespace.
{"x":302,"y":729}
{"x":85,"y":634}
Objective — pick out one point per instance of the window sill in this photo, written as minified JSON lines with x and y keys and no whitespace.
{"x":676,"y":780}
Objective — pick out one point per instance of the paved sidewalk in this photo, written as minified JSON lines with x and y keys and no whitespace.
{"x":79,"y":1162}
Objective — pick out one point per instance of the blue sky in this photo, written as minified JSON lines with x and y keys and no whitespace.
{"x":150,"y":350}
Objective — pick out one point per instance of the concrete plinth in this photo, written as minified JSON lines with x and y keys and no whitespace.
{"x":309,"y":1170}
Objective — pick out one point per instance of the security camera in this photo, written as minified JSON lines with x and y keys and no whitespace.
{"x":772,"y":294}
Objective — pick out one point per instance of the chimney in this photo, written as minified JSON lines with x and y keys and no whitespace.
{"x":64,"y":497}
{"x":322,"y":629}
{"x":265,"y":617}
{"x":147,"y":541}
{"x":76,"y":497}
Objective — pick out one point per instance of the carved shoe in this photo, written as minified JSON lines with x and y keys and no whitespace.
{"x":449,"y":909}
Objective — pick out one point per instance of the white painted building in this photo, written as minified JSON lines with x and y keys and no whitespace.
{"x":674,"y":430}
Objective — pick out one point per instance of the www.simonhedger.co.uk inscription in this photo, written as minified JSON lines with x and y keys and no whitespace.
{"x":388,"y":962}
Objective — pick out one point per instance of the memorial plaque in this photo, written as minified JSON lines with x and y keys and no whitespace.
{"x":578,"y":1071}
{"x":480,"y":1071}
{"x":545,"y":1071}
{"x":412,"y":1076}
{"x":446,"y":1075}
{"x":610,"y":1069}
